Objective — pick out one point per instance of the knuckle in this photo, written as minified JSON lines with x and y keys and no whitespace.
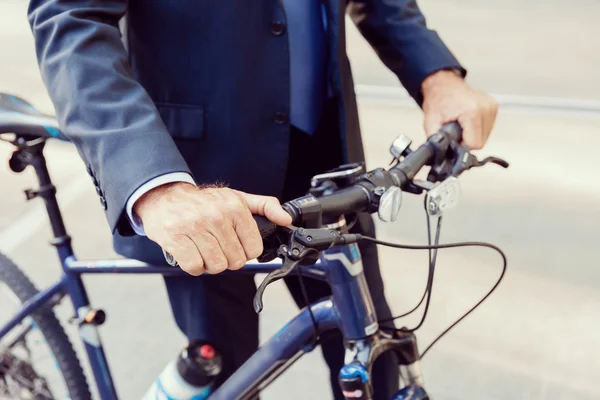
{"x":173,"y":226}
{"x":215,"y":261}
{"x":193,"y":266}
{"x":213,"y":215}
{"x":255,"y":250}
{"x":193,"y":269}
{"x":207,"y":222}
{"x":227,"y":194}
{"x":273,"y":199}
{"x":235,"y":206}
{"x":237,"y":264}
{"x":216,"y":268}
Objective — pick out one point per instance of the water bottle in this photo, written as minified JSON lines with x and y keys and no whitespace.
{"x":411,"y":392}
{"x":190,"y":376}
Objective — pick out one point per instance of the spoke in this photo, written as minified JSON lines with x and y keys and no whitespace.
{"x":14,"y":373}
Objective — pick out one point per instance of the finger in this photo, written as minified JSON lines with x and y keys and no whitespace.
{"x":491,"y":116}
{"x":486,"y":123}
{"x":231,"y":246}
{"x":211,"y":252}
{"x":268,"y":207}
{"x":185,"y":252}
{"x":433,"y":122}
{"x":471,"y":123}
{"x":248,"y":234}
{"x":482,"y":135}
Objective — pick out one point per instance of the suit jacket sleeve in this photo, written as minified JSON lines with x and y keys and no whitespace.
{"x":397,"y":31}
{"x":99,"y":105}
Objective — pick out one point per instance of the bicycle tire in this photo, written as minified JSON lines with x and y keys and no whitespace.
{"x":54,"y":334}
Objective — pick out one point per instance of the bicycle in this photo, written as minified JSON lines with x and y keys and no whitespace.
{"x":317,"y":245}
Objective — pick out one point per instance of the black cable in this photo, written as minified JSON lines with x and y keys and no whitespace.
{"x":426,"y":284}
{"x":307,"y":301}
{"x":448,"y":246}
{"x":430,"y":277}
{"x":429,"y":284}
{"x":475,"y":306}
{"x":428,"y":243}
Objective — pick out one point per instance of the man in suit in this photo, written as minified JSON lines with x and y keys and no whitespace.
{"x":257,"y":96}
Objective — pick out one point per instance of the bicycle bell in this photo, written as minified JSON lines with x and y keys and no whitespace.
{"x":401,"y":146}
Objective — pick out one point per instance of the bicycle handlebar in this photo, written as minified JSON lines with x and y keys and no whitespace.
{"x":366,"y":193}
{"x":358,"y":198}
{"x":369,"y":189}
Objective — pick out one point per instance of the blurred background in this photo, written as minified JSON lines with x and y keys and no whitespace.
{"x":535,"y":338}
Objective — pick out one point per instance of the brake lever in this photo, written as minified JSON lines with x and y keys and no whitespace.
{"x":303,"y":248}
{"x":288,"y":266}
{"x":494,"y":160}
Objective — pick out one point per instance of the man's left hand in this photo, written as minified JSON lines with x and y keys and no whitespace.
{"x":447,"y":97}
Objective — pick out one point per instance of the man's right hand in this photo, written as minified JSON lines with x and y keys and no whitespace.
{"x":207,"y":229}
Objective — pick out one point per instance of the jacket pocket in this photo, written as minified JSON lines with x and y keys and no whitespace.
{"x":182,"y":120}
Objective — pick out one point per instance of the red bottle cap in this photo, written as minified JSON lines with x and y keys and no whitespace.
{"x":207,"y":352}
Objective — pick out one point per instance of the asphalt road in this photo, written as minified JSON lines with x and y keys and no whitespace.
{"x":535,"y":339}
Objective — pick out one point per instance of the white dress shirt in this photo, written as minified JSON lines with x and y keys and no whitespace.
{"x":136,"y":222}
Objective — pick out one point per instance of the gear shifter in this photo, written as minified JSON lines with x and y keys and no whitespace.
{"x":465,"y":160}
{"x":446,"y":194}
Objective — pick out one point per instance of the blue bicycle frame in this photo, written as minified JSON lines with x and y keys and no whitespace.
{"x":349,"y":309}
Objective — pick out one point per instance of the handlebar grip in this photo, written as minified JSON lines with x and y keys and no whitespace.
{"x":453,"y":130}
{"x":265,"y":227}
{"x":345,"y":201}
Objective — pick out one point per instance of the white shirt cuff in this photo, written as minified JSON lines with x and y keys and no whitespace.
{"x":134,"y":220}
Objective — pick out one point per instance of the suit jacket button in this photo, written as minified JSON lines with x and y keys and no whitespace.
{"x":103,"y":202}
{"x":277,"y":28}
{"x":99,"y":191}
{"x":89,"y":170}
{"x":280,"y":118}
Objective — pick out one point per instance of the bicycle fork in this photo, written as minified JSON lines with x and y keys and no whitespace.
{"x":361,"y":354}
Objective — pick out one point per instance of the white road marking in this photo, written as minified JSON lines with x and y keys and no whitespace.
{"x":380,"y":93}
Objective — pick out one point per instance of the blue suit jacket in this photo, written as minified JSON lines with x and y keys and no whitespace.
{"x":203,"y":86}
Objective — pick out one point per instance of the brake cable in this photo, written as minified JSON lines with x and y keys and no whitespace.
{"x":488,"y":294}
{"x":436,"y":246}
{"x":447,"y":246}
{"x":429,"y":285}
{"x":316,"y":335}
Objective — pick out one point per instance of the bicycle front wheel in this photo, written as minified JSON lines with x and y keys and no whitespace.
{"x":27,"y":369}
